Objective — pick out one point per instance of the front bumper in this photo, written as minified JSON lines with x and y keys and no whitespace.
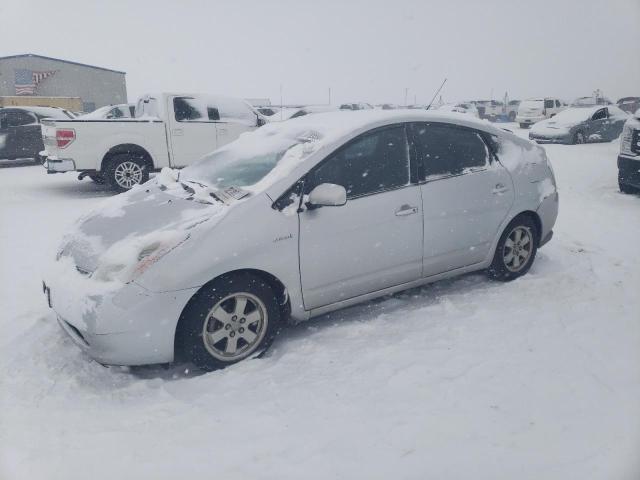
{"x":129,"y":326}
{"x":58,"y":165}
{"x":564,"y":139}
{"x":629,"y":170}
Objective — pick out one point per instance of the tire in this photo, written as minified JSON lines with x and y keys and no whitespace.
{"x":506,"y":266}
{"x":124,"y":171}
{"x":524,"y":126}
{"x":624,"y":188}
{"x":216,"y":331}
{"x":578,"y":138}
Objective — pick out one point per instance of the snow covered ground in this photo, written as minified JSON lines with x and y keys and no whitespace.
{"x":535,"y":379}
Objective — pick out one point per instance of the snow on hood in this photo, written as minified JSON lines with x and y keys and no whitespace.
{"x":568,"y":118}
{"x":150,"y":217}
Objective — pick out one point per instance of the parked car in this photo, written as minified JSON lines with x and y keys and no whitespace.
{"x":294,"y":220}
{"x":629,"y":104}
{"x":169,"y":130}
{"x":629,"y":158}
{"x":581,"y":125}
{"x":488,"y":109}
{"x":111,"y":112}
{"x":20,"y":134}
{"x":356,"y":106}
{"x":289,"y":113}
{"x":590,"y":101}
{"x":535,"y":110}
{"x":467,"y":108}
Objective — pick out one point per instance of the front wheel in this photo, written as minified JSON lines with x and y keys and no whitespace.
{"x":578,"y":138}
{"x":125,"y":171}
{"x":234,"y":318}
{"x":516,"y":250}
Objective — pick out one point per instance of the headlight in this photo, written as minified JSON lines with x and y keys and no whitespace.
{"x":128,"y":259}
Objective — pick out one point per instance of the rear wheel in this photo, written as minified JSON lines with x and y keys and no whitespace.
{"x":578,"y":138}
{"x":516,"y":250}
{"x":234,"y":318}
{"x":124,"y":171}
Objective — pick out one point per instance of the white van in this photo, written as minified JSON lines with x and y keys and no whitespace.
{"x":536,"y":109}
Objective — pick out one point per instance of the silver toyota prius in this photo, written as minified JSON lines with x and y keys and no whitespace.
{"x":295,"y":220}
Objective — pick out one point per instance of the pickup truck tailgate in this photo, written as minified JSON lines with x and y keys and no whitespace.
{"x":49,"y":137}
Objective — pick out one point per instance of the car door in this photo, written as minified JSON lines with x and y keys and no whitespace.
{"x":192,"y":130}
{"x":6,"y":146}
{"x":466,"y":195}
{"x":598,"y":126}
{"x":372,"y":242}
{"x":24,"y":128}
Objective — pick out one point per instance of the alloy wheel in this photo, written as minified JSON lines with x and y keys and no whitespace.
{"x":127,"y":174}
{"x":517,"y":248}
{"x":235,"y":326}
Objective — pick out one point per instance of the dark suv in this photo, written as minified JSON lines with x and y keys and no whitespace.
{"x":629,"y":158}
{"x":20,"y":133}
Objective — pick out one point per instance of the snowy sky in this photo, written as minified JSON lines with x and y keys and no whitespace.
{"x":364,"y":50}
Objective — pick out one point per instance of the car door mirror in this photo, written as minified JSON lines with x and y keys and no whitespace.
{"x":327,"y":195}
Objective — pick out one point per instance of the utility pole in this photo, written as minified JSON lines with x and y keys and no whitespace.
{"x":406,"y":92}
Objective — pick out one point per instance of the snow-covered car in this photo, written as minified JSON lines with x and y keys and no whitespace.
{"x":111,"y":112}
{"x":467,"y":108}
{"x":294,"y":220}
{"x":591,"y":101}
{"x":581,"y":125}
{"x":629,"y":104}
{"x":169,"y":130}
{"x":356,"y":106}
{"x":629,"y":157}
{"x":20,"y":134}
{"x":535,"y":110}
{"x":288,"y":113}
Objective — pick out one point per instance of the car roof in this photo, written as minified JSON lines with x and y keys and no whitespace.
{"x":41,"y":111}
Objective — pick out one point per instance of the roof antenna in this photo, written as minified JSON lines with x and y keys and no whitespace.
{"x":436,"y":94}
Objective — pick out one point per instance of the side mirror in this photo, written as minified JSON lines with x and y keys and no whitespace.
{"x":327,"y":195}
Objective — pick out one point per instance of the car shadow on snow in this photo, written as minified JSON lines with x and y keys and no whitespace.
{"x":398,"y":304}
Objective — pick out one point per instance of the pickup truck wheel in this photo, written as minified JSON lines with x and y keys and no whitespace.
{"x":125,"y":171}
{"x":234,"y":318}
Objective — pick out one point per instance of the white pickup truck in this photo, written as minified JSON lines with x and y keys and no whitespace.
{"x":168,"y":130}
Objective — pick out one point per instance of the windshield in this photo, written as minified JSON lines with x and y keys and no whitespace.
{"x":254,"y":161}
{"x":222,"y":169}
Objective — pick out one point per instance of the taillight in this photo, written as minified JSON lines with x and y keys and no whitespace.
{"x":64,"y":137}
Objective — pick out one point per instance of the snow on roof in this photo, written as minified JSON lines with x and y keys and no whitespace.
{"x":43,"y":111}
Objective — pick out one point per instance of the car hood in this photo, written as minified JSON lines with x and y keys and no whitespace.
{"x":553,"y":126}
{"x":143,"y":216}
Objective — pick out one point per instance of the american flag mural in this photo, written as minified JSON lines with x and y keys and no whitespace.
{"x":26,"y":81}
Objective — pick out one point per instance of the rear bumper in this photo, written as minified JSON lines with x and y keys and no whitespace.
{"x":548,"y":213}
{"x":59,"y":165}
{"x":629,"y":170}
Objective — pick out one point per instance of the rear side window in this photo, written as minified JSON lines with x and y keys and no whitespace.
{"x":371,"y":163}
{"x":548,"y":104}
{"x":185,"y":110}
{"x":17,"y":119}
{"x":447,"y":150}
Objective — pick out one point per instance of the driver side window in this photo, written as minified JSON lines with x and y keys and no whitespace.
{"x":600,"y":114}
{"x":369,"y":164}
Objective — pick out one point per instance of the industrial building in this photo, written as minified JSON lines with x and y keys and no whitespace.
{"x":31,"y":75}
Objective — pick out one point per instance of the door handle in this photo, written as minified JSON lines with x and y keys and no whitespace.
{"x":405,"y":210}
{"x":500,"y":189}
{"x":177,"y":132}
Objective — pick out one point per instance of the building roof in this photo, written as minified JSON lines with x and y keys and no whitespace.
{"x":60,"y":60}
